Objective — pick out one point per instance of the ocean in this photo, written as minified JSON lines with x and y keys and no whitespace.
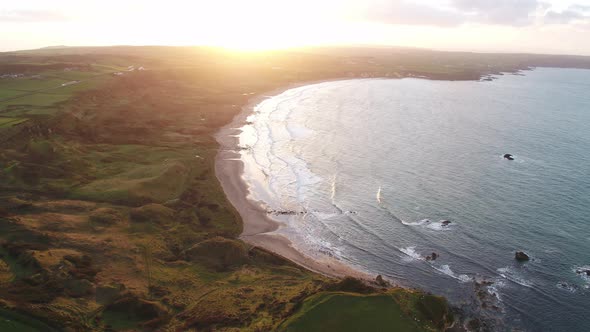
{"x":366,"y":171}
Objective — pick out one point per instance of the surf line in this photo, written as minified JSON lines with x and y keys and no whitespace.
{"x":333,"y":189}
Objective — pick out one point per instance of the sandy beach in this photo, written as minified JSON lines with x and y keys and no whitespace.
{"x":258,"y":227}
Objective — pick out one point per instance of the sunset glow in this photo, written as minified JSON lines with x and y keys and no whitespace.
{"x":558,"y":26}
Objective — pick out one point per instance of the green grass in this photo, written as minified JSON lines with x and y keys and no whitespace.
{"x":14,"y":322}
{"x":350,"y":313}
{"x":121,"y":321}
{"x":135,"y":173}
{"x":74,"y":75}
{"x":27,"y":84}
{"x":91,"y":83}
{"x":28,"y":110}
{"x":17,"y":270}
{"x":38,"y":99}
{"x":6,"y":93}
{"x":9,"y":122}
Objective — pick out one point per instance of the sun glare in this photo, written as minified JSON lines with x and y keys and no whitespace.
{"x":247,"y":26}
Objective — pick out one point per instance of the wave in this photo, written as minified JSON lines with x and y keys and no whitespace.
{"x":379,"y":195}
{"x":494,"y":289}
{"x":580,"y":271}
{"x":509,"y":274}
{"x":446,"y":269}
{"x":333,"y":189}
{"x":427,"y":223}
{"x":411,"y":253}
{"x":567,"y":287}
{"x":325,"y":215}
{"x":391,"y":214}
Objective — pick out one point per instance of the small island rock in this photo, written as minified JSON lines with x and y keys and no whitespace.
{"x":521,"y":256}
{"x":380,"y":281}
{"x":432,"y":257}
{"x":508,"y":156}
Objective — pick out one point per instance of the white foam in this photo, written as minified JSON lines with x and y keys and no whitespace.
{"x":333,"y":189}
{"x":508,"y":273}
{"x":437,"y":226}
{"x":583,"y":276}
{"x":427,"y":223}
{"x":411,"y":253}
{"x":416,"y":223}
{"x":494,"y":288}
{"x":446,"y":269}
{"x":298,"y":131}
{"x":567,"y":287}
{"x":324,"y":215}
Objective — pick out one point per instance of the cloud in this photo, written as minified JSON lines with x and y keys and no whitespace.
{"x":407,"y":13}
{"x":503,"y":12}
{"x":580,"y":8}
{"x":574,"y":13}
{"x":498,"y":12}
{"x":30,"y":16}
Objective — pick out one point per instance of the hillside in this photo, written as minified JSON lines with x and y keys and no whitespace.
{"x":112,"y":218}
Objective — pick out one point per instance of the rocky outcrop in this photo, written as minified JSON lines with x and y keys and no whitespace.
{"x":521,"y":256}
{"x":584,"y":271}
{"x":381,"y":282}
{"x":508,"y":156}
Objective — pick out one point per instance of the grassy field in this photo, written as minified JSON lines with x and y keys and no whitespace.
{"x":38,"y":93}
{"x":111,"y":215}
{"x":31,"y":84}
{"x":9,"y":122}
{"x":394,"y":310}
{"x":350,"y":313}
{"x":13,"y":322}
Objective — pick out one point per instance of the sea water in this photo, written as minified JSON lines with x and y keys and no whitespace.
{"x":366,"y":171}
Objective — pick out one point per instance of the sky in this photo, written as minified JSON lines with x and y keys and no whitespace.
{"x":531,"y":26}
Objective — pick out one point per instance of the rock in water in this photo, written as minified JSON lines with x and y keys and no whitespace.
{"x":508,"y":156}
{"x":585,"y":272}
{"x":445,"y":222}
{"x":521,"y":256}
{"x":432,"y":257}
{"x":380,"y":281}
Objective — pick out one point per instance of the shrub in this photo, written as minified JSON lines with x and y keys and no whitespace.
{"x":219,"y":253}
{"x":155,"y":213}
{"x":106,"y":216}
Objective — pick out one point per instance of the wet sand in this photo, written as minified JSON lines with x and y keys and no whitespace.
{"x":258,"y":227}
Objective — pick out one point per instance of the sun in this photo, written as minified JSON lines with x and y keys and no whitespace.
{"x":240,"y":25}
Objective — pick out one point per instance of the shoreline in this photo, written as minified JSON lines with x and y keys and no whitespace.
{"x":258,"y":228}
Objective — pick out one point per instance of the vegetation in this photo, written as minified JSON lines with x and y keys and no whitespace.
{"x":111,"y":217}
{"x":392,"y":311}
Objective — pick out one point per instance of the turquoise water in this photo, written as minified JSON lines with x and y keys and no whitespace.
{"x":374,"y":166}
